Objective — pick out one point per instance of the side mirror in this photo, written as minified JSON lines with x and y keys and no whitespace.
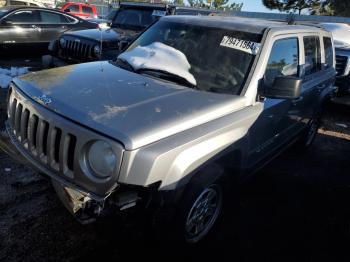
{"x":284,"y":87}
{"x":123,"y":45}
{"x":67,"y":10}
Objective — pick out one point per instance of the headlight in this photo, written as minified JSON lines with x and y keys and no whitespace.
{"x":101,"y":159}
{"x":97,"y":50}
{"x":62,"y":42}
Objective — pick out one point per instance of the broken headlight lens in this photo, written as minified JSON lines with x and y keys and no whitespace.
{"x":62,"y":42}
{"x":102,"y":159}
{"x":97,"y":50}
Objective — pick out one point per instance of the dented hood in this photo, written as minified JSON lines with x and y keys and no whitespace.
{"x":131,"y":108}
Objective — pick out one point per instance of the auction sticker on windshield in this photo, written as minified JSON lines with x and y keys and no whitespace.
{"x":242,"y":45}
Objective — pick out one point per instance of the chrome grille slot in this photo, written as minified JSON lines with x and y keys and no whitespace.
{"x":24,"y":126}
{"x":71,"y":152}
{"x":18,"y":115}
{"x":32,"y":129}
{"x":13,"y":111}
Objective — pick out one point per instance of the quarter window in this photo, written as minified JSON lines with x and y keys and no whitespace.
{"x":283,"y":61}
{"x":312,"y":54}
{"x":328,"y":49}
{"x":52,"y":18}
{"x":87,"y":10}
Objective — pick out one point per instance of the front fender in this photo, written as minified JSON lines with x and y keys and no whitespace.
{"x":172,"y":159}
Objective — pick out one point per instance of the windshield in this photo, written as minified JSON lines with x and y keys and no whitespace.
{"x":111,"y":15}
{"x":3,"y":12}
{"x":134,"y":18}
{"x":203,"y":56}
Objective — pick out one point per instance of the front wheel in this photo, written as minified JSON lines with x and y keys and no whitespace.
{"x":203,"y":212}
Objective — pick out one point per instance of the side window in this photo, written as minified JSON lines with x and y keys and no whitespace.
{"x":312,"y":54}
{"x":25,"y":16}
{"x":328,"y":50}
{"x":283,"y":61}
{"x":52,"y":18}
{"x":73,"y":8}
{"x":69,"y":19}
{"x":87,"y":10}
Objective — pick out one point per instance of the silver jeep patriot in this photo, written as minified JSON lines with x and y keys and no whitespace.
{"x":192,"y":105}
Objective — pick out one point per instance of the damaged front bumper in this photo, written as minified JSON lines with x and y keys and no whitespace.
{"x":86,"y":207}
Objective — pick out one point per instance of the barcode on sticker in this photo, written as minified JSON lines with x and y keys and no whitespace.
{"x":242,"y":45}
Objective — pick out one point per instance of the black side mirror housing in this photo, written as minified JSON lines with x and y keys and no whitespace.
{"x":284,"y":87}
{"x":123,"y":44}
{"x":67,"y":10}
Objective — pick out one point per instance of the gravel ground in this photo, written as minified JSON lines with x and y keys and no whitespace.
{"x":295,"y":209}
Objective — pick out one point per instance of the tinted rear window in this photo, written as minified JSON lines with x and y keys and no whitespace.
{"x":87,"y":10}
{"x":328,"y":48}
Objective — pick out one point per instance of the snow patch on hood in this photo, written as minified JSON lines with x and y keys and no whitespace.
{"x":160,"y":57}
{"x":6,"y":75}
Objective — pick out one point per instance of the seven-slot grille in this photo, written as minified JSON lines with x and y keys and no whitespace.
{"x":77,"y":50}
{"x":43,"y":140}
{"x":341,"y":64}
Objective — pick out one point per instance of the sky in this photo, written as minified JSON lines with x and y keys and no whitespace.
{"x":253,"y":6}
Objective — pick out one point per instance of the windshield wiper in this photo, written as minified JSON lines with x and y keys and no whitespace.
{"x":167,"y":76}
{"x":124,"y":64}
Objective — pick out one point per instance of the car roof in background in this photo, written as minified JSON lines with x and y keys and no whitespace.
{"x":142,"y":5}
{"x":250,"y":25}
{"x":18,"y":7}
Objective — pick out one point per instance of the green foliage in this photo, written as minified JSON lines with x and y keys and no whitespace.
{"x":294,"y":5}
{"x":340,"y":7}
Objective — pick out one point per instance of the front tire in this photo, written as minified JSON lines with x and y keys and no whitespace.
{"x":202,"y":212}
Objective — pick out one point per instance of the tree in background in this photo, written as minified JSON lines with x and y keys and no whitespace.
{"x":292,"y":5}
{"x":216,"y":4}
{"x":340,"y":7}
{"x":178,"y":2}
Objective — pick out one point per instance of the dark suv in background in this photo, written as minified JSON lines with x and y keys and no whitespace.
{"x":126,"y":23}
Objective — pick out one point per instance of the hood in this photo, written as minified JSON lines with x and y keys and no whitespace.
{"x":108,"y":34}
{"x":131,"y":108}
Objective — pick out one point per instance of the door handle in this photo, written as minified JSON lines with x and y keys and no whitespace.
{"x":297,"y":99}
{"x":37,"y":28}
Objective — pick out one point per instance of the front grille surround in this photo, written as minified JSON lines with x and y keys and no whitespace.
{"x":342,"y":64}
{"x":57,"y":143}
{"x":77,"y":49}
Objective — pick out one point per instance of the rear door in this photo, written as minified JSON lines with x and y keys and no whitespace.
{"x":53,"y":24}
{"x":21,"y":27}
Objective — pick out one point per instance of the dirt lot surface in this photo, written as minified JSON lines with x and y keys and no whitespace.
{"x":295,"y":209}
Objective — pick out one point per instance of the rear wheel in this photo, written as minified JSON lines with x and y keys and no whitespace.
{"x":310,"y":134}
